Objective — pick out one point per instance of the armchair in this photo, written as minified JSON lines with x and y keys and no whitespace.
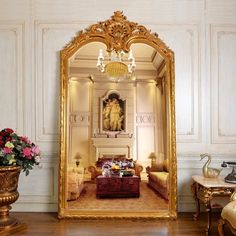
{"x":158,"y":178}
{"x":75,"y":180}
{"x":228,"y":216}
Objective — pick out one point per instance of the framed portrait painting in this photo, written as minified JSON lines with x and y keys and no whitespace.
{"x":113,"y":113}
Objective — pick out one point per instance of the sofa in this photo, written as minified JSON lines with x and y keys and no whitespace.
{"x":127,"y":164}
{"x":228,"y":216}
{"x":158,"y":178}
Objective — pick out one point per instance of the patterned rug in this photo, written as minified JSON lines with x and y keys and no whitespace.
{"x":148,"y":200}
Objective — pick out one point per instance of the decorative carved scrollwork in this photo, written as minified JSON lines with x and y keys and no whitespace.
{"x":8,"y":194}
{"x":8,"y":179}
{"x":117,"y":33}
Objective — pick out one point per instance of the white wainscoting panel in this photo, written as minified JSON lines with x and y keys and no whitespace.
{"x":184,"y":41}
{"x":145,"y":121}
{"x":80,"y":96}
{"x":39,"y":190}
{"x":50,"y":39}
{"x":145,"y":97}
{"x":145,"y":142}
{"x":79,"y":142}
{"x":223,"y":45}
{"x":11,"y":72}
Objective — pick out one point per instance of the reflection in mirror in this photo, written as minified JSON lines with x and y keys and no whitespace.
{"x":118,"y":133}
{"x":97,"y":105}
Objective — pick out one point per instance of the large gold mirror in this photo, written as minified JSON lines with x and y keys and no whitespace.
{"x":117,"y":149}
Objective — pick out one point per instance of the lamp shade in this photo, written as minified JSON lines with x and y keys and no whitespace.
{"x":152,"y":156}
{"x":77,"y":156}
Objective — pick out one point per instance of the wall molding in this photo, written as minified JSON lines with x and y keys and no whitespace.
{"x":144,"y":119}
{"x":16,"y":75}
{"x":218,"y":134}
{"x":192,"y":118}
{"x":47,"y":193}
{"x":47,"y":81}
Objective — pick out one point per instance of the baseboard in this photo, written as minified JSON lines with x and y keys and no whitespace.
{"x":34,"y":207}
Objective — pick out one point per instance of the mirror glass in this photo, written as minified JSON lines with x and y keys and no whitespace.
{"x":117,"y":141}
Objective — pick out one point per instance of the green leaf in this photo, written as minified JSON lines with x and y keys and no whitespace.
{"x":9,"y":157}
{"x":19,"y":162}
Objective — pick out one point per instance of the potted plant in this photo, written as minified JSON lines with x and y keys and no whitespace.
{"x":17,"y":153}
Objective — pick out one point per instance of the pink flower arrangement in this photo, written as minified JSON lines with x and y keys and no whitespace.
{"x":18,"y":150}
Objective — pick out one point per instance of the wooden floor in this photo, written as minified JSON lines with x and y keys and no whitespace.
{"x":48,"y":224}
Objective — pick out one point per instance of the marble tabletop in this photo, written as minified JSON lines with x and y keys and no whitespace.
{"x":212,"y":182}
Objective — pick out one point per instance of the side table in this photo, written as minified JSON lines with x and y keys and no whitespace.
{"x":205,"y":189}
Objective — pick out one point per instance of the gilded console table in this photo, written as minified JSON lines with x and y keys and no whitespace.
{"x":205,"y":190}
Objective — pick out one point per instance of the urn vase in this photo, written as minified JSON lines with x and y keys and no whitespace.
{"x":9,"y":176}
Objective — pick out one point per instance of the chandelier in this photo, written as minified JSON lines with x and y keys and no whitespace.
{"x":117,"y":68}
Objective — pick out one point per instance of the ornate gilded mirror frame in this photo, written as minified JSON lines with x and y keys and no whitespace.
{"x":117,"y":34}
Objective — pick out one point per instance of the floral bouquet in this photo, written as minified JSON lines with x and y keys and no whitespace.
{"x":115,"y":168}
{"x":18,"y":150}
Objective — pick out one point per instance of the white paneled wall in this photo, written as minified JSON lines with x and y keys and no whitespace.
{"x":145,"y":121}
{"x":223,"y":85}
{"x":201,"y":32}
{"x":79,"y":120}
{"x":11,"y":71}
{"x":49,"y":40}
{"x":183,"y":40}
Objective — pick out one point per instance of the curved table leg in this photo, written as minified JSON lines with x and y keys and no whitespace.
{"x":208,"y":228}
{"x":194,"y":189}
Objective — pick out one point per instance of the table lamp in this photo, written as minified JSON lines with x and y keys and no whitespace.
{"x":77,"y":159}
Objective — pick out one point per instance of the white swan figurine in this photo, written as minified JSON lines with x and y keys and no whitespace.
{"x":209,"y":172}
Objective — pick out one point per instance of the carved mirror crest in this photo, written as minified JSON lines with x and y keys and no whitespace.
{"x":127,"y":89}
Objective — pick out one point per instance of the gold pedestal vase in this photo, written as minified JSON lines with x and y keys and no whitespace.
{"x":9,"y":176}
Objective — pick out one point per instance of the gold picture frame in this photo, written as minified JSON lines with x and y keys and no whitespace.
{"x":117,"y":33}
